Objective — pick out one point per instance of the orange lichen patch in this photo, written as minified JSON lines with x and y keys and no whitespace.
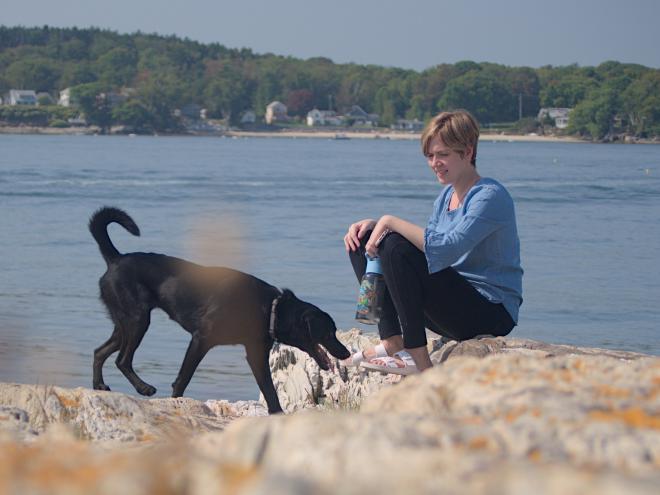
{"x":471,"y":420}
{"x":78,"y":467}
{"x":147,"y":437}
{"x":614,"y":392}
{"x":634,"y":416}
{"x":579,"y":365}
{"x":478,"y":443}
{"x":488,"y":376}
{"x":565,"y":376}
{"x":534,"y":455}
{"x":236,"y":475}
{"x":67,"y":401}
{"x":514,"y":414}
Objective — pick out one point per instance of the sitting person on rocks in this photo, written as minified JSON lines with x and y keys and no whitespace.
{"x":460,"y":276}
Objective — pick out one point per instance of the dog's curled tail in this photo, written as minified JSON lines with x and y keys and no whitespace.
{"x":98,"y":226}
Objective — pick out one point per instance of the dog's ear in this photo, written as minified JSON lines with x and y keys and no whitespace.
{"x":287,"y":295}
{"x":319,"y":324}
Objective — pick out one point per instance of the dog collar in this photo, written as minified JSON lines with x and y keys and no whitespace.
{"x":273,"y":316}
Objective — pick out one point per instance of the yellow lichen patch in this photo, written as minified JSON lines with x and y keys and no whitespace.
{"x":634,"y":416}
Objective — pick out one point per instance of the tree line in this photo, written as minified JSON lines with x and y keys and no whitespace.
{"x":167,"y":72}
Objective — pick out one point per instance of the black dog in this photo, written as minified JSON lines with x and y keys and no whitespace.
{"x":216,"y":305}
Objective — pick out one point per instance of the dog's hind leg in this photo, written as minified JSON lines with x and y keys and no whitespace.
{"x":100,"y":355}
{"x":133,"y":332}
{"x":257,"y":358}
{"x":197,"y":349}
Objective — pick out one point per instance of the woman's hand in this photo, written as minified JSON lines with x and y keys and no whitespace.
{"x":380,"y":230}
{"x":356,"y":232}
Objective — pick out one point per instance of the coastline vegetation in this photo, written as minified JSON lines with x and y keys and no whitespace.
{"x":158,"y":74}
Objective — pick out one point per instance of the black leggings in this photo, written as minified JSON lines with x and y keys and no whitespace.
{"x":444,"y":302}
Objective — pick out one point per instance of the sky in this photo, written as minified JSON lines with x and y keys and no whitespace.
{"x":410,"y":34}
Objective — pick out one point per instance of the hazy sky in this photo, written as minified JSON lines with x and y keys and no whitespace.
{"x":415,"y":34}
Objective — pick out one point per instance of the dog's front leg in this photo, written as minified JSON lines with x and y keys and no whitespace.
{"x":257,"y":358}
{"x":197,"y":349}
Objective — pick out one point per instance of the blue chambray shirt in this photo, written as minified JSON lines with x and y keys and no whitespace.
{"x":479,"y":239}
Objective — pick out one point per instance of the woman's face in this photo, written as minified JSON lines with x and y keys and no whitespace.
{"x":448,"y":165}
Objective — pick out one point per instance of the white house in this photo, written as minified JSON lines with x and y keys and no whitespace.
{"x":276,"y":111}
{"x":323,"y":117}
{"x":559,"y":115}
{"x":408,"y":125}
{"x":65,"y":98}
{"x":22,"y":97}
{"x":357,"y":116}
{"x":248,"y":117}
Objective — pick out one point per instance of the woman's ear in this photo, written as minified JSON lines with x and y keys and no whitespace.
{"x":468,"y":153}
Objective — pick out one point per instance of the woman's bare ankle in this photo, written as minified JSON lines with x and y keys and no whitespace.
{"x":393,"y":344}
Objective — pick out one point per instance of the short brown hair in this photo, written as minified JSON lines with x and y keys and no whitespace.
{"x":459,"y":130}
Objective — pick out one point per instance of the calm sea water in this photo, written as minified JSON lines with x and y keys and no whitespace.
{"x":278,"y":208}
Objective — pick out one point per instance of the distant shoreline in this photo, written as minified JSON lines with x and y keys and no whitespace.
{"x":394,"y":135}
{"x":384,"y":134}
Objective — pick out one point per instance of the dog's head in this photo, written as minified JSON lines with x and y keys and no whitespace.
{"x":303,"y":325}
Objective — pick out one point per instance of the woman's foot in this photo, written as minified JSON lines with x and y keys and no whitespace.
{"x":365,"y":355}
{"x":400,"y":363}
{"x":387,"y":347}
{"x":405,"y":362}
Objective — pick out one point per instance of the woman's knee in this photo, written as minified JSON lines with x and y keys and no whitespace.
{"x":395,"y":246}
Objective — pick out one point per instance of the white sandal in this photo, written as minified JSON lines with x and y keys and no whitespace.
{"x":389,"y":364}
{"x":358,"y":357}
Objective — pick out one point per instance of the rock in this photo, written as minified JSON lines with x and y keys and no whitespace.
{"x":301,"y":384}
{"x":113,"y":416}
{"x":497,"y":416}
{"x":443,"y":349}
{"x":15,"y":423}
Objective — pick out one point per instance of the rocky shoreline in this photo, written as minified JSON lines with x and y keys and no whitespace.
{"x":495,"y":415}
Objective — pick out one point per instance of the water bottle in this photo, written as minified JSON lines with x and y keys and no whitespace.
{"x":372,"y":291}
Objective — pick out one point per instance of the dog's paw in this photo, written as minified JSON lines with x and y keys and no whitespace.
{"x":147,"y":390}
{"x":102,"y":386}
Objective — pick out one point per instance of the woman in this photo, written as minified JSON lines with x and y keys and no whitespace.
{"x":461,"y":275}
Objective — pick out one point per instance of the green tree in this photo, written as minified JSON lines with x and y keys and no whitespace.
{"x":117,"y":67}
{"x":134,"y":114}
{"x":92,"y":100}
{"x":160,"y":95}
{"x":594,"y":116}
{"x":488,"y":98}
{"x":38,"y":74}
{"x":641,"y":104}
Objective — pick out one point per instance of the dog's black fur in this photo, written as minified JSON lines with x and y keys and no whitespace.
{"x":216,"y":305}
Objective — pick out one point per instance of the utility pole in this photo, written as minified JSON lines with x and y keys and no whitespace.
{"x":519,"y":106}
